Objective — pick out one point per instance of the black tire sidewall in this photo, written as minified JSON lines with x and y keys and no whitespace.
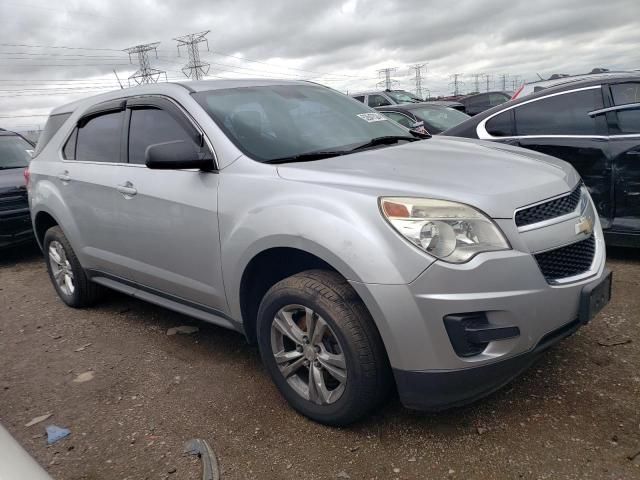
{"x":343,"y":410}
{"x":55,"y":234}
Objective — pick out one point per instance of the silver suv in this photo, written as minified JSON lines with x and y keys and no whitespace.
{"x":358,"y":257}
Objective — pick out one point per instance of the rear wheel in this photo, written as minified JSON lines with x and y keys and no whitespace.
{"x":66,"y":274}
{"x":319,"y":343}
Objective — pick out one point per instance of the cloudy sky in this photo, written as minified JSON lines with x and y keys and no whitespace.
{"x":53,"y":52}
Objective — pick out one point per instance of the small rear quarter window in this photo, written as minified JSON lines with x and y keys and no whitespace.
{"x":54,"y":122}
{"x":501,"y":125}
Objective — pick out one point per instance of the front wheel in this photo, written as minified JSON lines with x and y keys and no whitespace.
{"x":322,"y":349}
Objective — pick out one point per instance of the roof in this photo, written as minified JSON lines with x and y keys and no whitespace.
{"x":175,"y":87}
{"x":583,"y":77}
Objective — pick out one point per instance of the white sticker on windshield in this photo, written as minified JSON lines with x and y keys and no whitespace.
{"x":372,"y":117}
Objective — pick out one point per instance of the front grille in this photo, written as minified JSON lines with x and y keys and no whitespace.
{"x":16,"y":200}
{"x":567,"y":261}
{"x":552,"y":209}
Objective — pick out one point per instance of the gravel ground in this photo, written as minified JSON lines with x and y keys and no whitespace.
{"x":575,"y":414}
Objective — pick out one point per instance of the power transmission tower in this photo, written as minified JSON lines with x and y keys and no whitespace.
{"x":196,"y":68}
{"x":417,"y":68}
{"x":503,"y":80}
{"x":476,"y":81}
{"x":488,"y":78}
{"x":456,"y":83}
{"x":388,"y":82}
{"x":515,"y":82}
{"x":145,"y":74}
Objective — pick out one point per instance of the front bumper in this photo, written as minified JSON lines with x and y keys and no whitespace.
{"x":15,"y":227}
{"x":508,"y":287}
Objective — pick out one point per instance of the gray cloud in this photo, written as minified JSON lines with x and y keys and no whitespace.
{"x":346,"y":39}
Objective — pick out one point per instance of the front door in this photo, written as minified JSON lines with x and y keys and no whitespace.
{"x":624,"y":121}
{"x":167,"y":219}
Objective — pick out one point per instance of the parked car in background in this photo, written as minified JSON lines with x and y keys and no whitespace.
{"x":357,"y":256}
{"x":15,"y":222}
{"x":15,"y":462}
{"x":447,"y":103}
{"x":594,"y":124}
{"x":434,"y":117}
{"x":563,"y":79}
{"x":381,"y":98}
{"x":479,"y":102}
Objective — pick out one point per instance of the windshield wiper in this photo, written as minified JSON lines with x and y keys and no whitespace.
{"x":388,"y":140}
{"x":307,"y":157}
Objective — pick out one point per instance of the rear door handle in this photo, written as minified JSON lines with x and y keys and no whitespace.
{"x":64,"y":177}
{"x":127,"y":189}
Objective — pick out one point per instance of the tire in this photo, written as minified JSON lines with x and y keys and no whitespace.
{"x":81,"y":292}
{"x":345,"y":334}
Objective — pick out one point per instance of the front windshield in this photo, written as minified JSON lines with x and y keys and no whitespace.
{"x":440,"y":118}
{"x":14,"y":152}
{"x":281,"y":121}
{"x":401,"y":96}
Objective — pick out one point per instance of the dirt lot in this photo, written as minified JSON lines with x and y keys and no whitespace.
{"x":575,"y":414}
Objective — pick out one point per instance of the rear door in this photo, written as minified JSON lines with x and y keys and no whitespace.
{"x":167,"y":221}
{"x":86,"y":180}
{"x":624,"y":123}
{"x":560,"y":125}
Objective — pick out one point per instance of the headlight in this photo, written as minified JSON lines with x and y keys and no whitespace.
{"x":450,"y":231}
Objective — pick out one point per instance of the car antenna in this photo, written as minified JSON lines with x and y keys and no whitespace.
{"x":117,"y":78}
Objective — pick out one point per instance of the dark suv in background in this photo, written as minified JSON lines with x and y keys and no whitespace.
{"x":593,"y":124}
{"x":15,"y":222}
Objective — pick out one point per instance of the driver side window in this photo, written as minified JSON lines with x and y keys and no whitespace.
{"x":150,"y":126}
{"x":377,"y":101}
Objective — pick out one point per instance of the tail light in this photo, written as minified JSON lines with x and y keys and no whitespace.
{"x":515,"y":95}
{"x":27,"y":175}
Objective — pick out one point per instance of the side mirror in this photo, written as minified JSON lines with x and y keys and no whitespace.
{"x":176,"y":155}
{"x":417,"y":130}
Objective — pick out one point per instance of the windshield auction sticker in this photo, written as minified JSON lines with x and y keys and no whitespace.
{"x":372,"y":117}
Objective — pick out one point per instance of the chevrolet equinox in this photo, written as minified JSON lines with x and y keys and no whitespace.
{"x":359,"y":258}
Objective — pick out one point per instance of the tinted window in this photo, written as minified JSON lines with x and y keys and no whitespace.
{"x":401,"y":96}
{"x":360,"y":98}
{"x":500,"y":125}
{"x":623,"y":94}
{"x":279,"y":121}
{"x":378,"y":101}
{"x":14,"y":152}
{"x":99,"y":138}
{"x":69,"y":150}
{"x":497,"y":99}
{"x":566,"y":114}
{"x":54,"y":122}
{"x":477,"y":101}
{"x":400,"y":118}
{"x":151,"y":126}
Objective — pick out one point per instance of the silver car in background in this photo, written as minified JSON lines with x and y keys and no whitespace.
{"x":358,"y":257}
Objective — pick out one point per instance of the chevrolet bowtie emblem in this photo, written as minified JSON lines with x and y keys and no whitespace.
{"x":585,"y":225}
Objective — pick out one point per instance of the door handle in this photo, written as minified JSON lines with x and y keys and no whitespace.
{"x":127,"y":189}
{"x":64,"y":177}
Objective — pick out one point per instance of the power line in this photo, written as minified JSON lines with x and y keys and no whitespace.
{"x":57,"y":46}
{"x":196,"y":67}
{"x":503,"y":81}
{"x":488,"y":78}
{"x":476,"y":81}
{"x":145,"y":74}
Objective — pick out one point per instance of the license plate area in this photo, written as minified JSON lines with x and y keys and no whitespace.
{"x":595,"y":297}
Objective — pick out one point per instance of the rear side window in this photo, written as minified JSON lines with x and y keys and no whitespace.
{"x":360,"y":98}
{"x":150,"y":126}
{"x":99,"y":139}
{"x":624,"y":94}
{"x":566,"y":114}
{"x":14,"y":152}
{"x":54,"y":122}
{"x":501,"y":125}
{"x":378,"y":101}
{"x":496,"y":99}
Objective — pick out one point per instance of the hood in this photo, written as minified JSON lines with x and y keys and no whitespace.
{"x":493,"y":177}
{"x":12,"y":179}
